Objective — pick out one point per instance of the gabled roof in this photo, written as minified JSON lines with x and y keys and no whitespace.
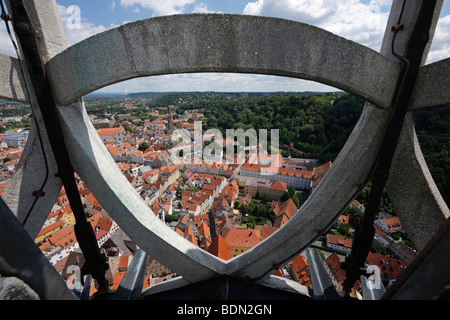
{"x":203,"y":229}
{"x":301,"y":267}
{"x":323,"y":168}
{"x":245,"y":238}
{"x":339,"y":240}
{"x":287,"y":208}
{"x":170,"y":169}
{"x":52,"y":227}
{"x":279,"y":185}
{"x":393,"y":223}
{"x":389,"y":267}
{"x":220,"y":248}
{"x":184,"y":219}
{"x":334,"y":264}
{"x":110,"y":131}
{"x":295,"y":173}
{"x":266,"y":231}
{"x":100,"y":222}
{"x":192,"y":239}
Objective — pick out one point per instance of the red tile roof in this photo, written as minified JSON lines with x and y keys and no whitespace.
{"x":301,"y":268}
{"x":279,"y":185}
{"x":53,"y":227}
{"x":110,"y":131}
{"x":283,"y":211}
{"x":340,"y":240}
{"x":389,"y":267}
{"x":334,"y":263}
{"x":220,"y":248}
{"x":245,"y":238}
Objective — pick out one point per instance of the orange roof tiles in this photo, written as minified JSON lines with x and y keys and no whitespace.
{"x":98,"y":221}
{"x":279,"y":185}
{"x":389,"y":267}
{"x":323,"y":168}
{"x":220,"y":248}
{"x":203,"y":229}
{"x":301,"y":268}
{"x":240,"y":237}
{"x":170,"y":169}
{"x":283,"y":211}
{"x":117,"y":279}
{"x":266,"y":231}
{"x":110,"y":131}
{"x":340,"y":240}
{"x":124,"y":261}
{"x":53,"y":227}
{"x":64,"y":237}
{"x":334,"y":263}
{"x":295,"y":173}
{"x":393,"y":223}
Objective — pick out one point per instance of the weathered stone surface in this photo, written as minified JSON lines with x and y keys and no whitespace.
{"x":31,"y":170}
{"x":97,"y":169}
{"x":412,"y":190}
{"x":11,"y":80}
{"x":221,"y":43}
{"x":224,"y":43}
{"x":12,"y":288}
{"x":334,"y":193}
{"x":432,"y":85}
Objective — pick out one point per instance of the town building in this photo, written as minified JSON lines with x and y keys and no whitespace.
{"x":339,"y":243}
{"x":169,"y":174}
{"x":118,"y":134}
{"x":240,"y":240}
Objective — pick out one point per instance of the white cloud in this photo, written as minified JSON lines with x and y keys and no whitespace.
{"x":381,"y":2}
{"x":166,"y":7}
{"x":113,"y":5}
{"x":254,"y":8}
{"x":440,"y":47}
{"x":351,"y":19}
{"x":364,"y":23}
{"x":231,"y":82}
{"x":202,"y":8}
{"x":78,"y":30}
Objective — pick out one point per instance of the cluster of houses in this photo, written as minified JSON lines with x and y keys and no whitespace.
{"x":202,"y":201}
{"x":11,"y":147}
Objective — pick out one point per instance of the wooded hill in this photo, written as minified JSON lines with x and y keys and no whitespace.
{"x":318,"y":124}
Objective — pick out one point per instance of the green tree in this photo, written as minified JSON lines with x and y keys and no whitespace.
{"x":143,"y":146}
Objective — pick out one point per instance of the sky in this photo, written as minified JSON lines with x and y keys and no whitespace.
{"x":362,"y":21}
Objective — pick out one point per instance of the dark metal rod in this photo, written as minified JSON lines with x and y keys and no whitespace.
{"x":94,"y":262}
{"x":364,"y":234}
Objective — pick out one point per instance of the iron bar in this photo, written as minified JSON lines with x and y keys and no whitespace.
{"x":354,"y":264}
{"x":37,"y":193}
{"x":95,"y":263}
{"x":130,"y":287}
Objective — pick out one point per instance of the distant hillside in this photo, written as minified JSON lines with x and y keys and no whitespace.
{"x":161,"y":97}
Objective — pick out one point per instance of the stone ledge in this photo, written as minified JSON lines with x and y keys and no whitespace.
{"x":225,"y":43}
{"x":12,"y":288}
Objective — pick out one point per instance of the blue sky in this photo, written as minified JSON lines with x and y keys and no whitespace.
{"x":362,"y":21}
